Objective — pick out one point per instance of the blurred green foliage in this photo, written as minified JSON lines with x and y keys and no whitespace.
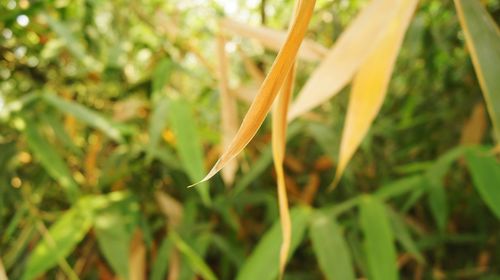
{"x":109,"y":109}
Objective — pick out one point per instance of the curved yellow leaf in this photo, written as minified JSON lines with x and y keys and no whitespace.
{"x":370,"y":85}
{"x":269,"y":89}
{"x":346,"y":56}
{"x":279,"y":143}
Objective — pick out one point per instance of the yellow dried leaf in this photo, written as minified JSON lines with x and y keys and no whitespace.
{"x":137,"y":259}
{"x":345,"y":57}
{"x":229,"y":114}
{"x":279,"y":143}
{"x":474,"y":129}
{"x":274,"y":39}
{"x":370,"y":84}
{"x":269,"y":89}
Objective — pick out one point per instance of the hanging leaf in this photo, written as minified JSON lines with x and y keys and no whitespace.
{"x":379,"y":245}
{"x":330,"y":248}
{"x":346,"y":56}
{"x":269,"y":89}
{"x":279,"y":126}
{"x":370,"y":85}
{"x":483,"y":40}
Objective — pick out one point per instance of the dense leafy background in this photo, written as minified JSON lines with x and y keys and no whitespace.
{"x":107,"y":106}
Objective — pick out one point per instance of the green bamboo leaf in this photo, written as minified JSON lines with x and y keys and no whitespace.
{"x":436,"y":193}
{"x":160,"y":265}
{"x":188,"y":141}
{"x":483,"y":40}
{"x":262,"y":264}
{"x":379,"y":245}
{"x":156,"y":125}
{"x":64,"y":235}
{"x":330,"y":248}
{"x":196,"y":262}
{"x":485,"y":171}
{"x":61,"y":134}
{"x":114,"y":226}
{"x":86,"y":115}
{"x":403,"y":236}
{"x":160,"y":77}
{"x":51,"y":160}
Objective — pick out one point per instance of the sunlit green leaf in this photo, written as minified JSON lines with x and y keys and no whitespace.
{"x":63,"y":236}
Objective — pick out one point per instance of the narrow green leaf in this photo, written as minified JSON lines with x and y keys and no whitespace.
{"x":403,"y":235}
{"x":51,"y":160}
{"x":157,"y":123}
{"x":188,"y":144}
{"x":160,"y":78}
{"x":485,"y":171}
{"x":436,"y":194}
{"x":59,"y":131}
{"x":64,"y":235}
{"x":379,"y":245}
{"x":330,"y":248}
{"x":160,"y":265}
{"x":483,"y":40}
{"x":114,"y":227}
{"x":196,"y":262}
{"x":86,"y":115}
{"x":262,"y":264}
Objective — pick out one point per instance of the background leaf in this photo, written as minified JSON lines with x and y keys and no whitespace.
{"x":51,"y":160}
{"x":330,"y":248}
{"x":379,"y":245}
{"x":483,"y":40}
{"x":62,"y":238}
{"x":188,"y":141}
{"x":86,"y":115}
{"x":263,"y":262}
{"x":114,"y":227}
{"x":485,"y":171}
